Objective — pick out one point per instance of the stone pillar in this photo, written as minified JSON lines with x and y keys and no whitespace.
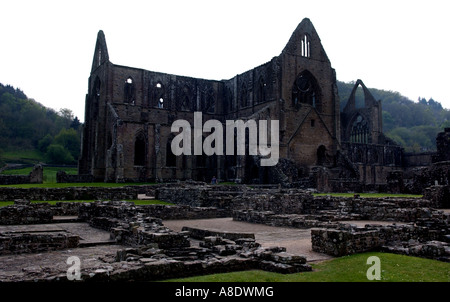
{"x":37,"y":175}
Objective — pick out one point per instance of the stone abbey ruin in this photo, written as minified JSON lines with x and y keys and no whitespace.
{"x":211,"y":228}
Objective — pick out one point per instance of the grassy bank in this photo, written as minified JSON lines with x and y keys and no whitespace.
{"x":49,"y":173}
{"x":394,"y":268}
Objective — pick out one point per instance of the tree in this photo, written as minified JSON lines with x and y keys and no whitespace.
{"x":75,"y":123}
{"x":57,"y":154}
{"x":44,"y":143}
{"x":69,"y":139}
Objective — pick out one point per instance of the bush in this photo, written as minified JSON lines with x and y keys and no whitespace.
{"x":57,"y":154}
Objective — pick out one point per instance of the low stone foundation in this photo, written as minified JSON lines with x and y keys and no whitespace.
{"x":408,"y":239}
{"x":63,"y":177}
{"x":159,"y":253}
{"x":26,"y":214}
{"x":213,"y":255}
{"x":200,"y":234}
{"x":18,"y":243}
{"x":129,"y":226}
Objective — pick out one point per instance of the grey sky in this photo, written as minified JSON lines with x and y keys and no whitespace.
{"x":47,"y":46}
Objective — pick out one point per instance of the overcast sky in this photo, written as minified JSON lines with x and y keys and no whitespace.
{"x":47,"y":46}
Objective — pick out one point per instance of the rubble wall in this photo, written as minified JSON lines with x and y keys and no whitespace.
{"x":74,"y":193}
{"x":18,"y":243}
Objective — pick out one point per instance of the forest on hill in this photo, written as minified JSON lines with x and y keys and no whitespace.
{"x":413,"y":125}
{"x":31,"y":132}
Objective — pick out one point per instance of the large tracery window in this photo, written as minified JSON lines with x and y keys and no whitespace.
{"x":360,"y":131}
{"x":306,"y":91}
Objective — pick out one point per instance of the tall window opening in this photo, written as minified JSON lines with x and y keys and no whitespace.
{"x":171,"y":159}
{"x":185,"y":103}
{"x":244,"y":96}
{"x":129,"y":90}
{"x":139,"y":150}
{"x":209,"y":102}
{"x":360,"y":99}
{"x":321,"y":155}
{"x":158,"y":96}
{"x":306,"y":46}
{"x":261,"y":91}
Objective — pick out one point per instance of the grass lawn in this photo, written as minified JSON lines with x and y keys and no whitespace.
{"x":394,"y":268}
{"x":49,"y":172}
{"x":22,"y":156}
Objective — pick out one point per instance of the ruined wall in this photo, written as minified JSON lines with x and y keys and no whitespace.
{"x":74,"y":193}
{"x":408,"y":239}
{"x":63,"y":177}
{"x":130,"y":109}
{"x":19,"y":243}
{"x":26,"y":214}
{"x":36,"y":176}
{"x":442,"y":146}
{"x":422,"y":178}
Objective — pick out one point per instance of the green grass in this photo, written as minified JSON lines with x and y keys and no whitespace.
{"x":49,"y":173}
{"x":394,"y":268}
{"x":22,"y":156}
{"x":367,"y":195}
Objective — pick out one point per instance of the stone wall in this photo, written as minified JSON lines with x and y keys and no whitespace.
{"x":439,"y":196}
{"x":129,"y":226}
{"x":173,"y":212}
{"x":74,"y":193}
{"x":410,"y":239}
{"x":26,"y":214}
{"x":442,"y":146}
{"x":36,"y":176}
{"x":422,"y":178}
{"x":63,"y":177}
{"x":18,"y":243}
{"x":296,"y":207}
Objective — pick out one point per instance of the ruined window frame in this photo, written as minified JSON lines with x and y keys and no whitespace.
{"x":306,"y":91}
{"x":129,"y":90}
{"x":140,"y":147}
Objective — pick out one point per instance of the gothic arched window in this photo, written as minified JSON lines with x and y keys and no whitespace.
{"x":306,"y":91}
{"x":210,"y":104}
{"x":129,"y":90}
{"x":158,"y":96}
{"x":261,"y":91}
{"x":185,"y":103}
{"x":244,"y":96}
{"x":359,"y":131}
